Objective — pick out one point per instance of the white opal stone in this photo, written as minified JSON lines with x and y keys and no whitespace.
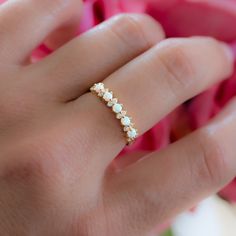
{"x":98,"y":87}
{"x":117,"y":108}
{"x":125,"y":121}
{"x":107,"y":96}
{"x":132,"y":133}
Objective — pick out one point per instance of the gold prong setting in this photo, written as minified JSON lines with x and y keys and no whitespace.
{"x":126,"y":121}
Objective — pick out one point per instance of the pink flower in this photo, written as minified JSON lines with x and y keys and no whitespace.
{"x":182,"y":18}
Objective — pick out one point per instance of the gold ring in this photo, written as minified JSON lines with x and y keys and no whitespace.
{"x":126,"y":121}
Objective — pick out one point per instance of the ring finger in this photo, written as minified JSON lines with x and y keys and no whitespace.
{"x":150,"y":87}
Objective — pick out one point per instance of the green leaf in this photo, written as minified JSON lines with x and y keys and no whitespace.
{"x":167,"y":233}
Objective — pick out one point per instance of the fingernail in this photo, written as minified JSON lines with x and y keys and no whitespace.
{"x":228,"y":52}
{"x":152,"y":30}
{"x":223,"y":128}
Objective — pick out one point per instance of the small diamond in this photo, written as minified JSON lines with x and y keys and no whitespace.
{"x":99,"y":87}
{"x":125,"y":121}
{"x":126,"y":128}
{"x":130,"y":141}
{"x":110,"y":104}
{"x":119,"y":116}
{"x":132,"y":133}
{"x":107,"y":96}
{"x":114,"y":100}
{"x":100,"y":94}
{"x":123,"y":113}
{"x":117,"y":108}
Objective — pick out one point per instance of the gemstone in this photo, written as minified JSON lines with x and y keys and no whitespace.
{"x":130,"y":141}
{"x":125,"y":121}
{"x":100,"y":93}
{"x":110,"y":104}
{"x":99,"y":87}
{"x":117,"y":108}
{"x":114,"y":100}
{"x":123,"y":113}
{"x":119,"y":116}
{"x":126,"y":128}
{"x":107,"y":96}
{"x":132,"y":133}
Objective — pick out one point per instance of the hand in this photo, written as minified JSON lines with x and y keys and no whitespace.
{"x":58,"y":140}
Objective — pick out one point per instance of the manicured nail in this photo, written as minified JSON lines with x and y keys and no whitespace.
{"x":228,"y":51}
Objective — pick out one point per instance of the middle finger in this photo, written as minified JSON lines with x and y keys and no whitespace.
{"x":73,"y":68}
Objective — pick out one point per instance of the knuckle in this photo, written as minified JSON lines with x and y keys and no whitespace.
{"x":131,"y":31}
{"x":35,"y":168}
{"x":28,"y":178}
{"x":177,"y":65}
{"x":27,"y":169}
{"x":23,"y":172}
{"x":214,"y":168}
{"x":23,"y":178}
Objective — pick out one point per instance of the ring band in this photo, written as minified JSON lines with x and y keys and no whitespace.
{"x":126,"y":121}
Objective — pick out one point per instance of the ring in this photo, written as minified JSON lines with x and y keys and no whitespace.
{"x":107,"y":96}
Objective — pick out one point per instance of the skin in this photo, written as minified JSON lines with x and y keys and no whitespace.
{"x":58,"y":141}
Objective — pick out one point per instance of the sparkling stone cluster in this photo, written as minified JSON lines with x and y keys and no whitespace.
{"x":117,"y":108}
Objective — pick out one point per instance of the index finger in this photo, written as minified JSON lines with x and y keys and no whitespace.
{"x":25,"y":24}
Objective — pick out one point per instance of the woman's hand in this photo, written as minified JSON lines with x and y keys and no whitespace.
{"x":57,"y":140}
